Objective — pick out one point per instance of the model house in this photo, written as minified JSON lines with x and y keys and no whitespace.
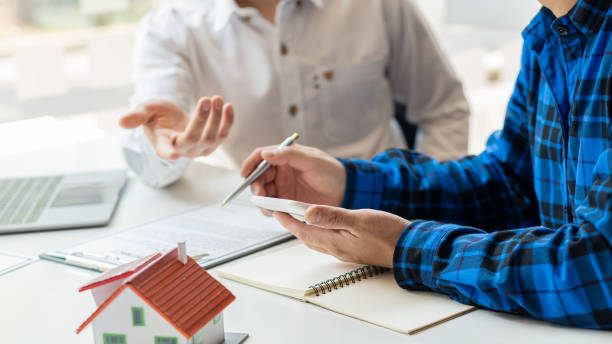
{"x":160,"y":299}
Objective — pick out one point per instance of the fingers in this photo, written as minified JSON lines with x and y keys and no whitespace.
{"x":134,"y":119}
{"x":194,"y":129}
{"x":261,"y":189}
{"x":266,"y":212}
{"x":333,"y":217}
{"x":313,"y":237}
{"x":209,"y":136}
{"x":207,"y":128}
{"x":165,"y":149}
{"x":258,"y":189}
{"x":251,"y":162}
{"x":146,"y":111}
{"x":265,"y":178}
{"x":270,"y":190}
{"x":227,"y":120}
{"x":296,"y":156}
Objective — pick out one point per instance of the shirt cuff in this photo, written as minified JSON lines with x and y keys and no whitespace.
{"x":415,"y":252}
{"x":144,"y":161}
{"x":364,"y":184}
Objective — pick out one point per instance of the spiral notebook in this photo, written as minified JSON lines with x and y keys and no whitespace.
{"x":367,"y":293}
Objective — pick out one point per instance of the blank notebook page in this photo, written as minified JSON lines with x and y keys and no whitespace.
{"x":289,"y":271}
{"x":378,"y":299}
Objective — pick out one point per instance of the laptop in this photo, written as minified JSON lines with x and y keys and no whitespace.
{"x":59,"y":201}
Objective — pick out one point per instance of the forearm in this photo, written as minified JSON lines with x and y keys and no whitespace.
{"x":475,"y":191}
{"x":561,"y":275}
{"x":146,"y":164}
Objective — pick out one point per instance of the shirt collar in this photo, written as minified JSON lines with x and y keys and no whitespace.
{"x":586,"y":16}
{"x":222,"y":12}
{"x":225,"y":9}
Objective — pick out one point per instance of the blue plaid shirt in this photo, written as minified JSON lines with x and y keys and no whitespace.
{"x":526,"y":226}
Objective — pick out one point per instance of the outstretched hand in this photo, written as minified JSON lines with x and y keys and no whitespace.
{"x":173,"y":133}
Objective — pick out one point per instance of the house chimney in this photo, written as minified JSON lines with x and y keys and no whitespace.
{"x":182,"y":252}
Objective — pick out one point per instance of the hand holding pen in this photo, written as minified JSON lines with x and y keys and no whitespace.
{"x":259,"y":170}
{"x":298,"y":173}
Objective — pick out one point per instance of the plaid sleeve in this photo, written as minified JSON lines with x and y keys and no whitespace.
{"x":477,"y":191}
{"x":561,"y":275}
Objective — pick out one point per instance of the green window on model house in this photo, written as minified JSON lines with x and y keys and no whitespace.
{"x":166,"y":340}
{"x":217,"y":319}
{"x":138,"y":316}
{"x":108,"y":338}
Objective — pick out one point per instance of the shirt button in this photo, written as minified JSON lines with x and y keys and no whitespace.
{"x":293,"y":110}
{"x":562,"y":30}
{"x":298,"y":3}
{"x":283,"y":49}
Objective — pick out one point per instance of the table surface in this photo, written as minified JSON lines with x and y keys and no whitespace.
{"x":39,"y":303}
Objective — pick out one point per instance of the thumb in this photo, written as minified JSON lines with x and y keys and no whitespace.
{"x":331,"y":217}
{"x":295,"y":156}
{"x":134,"y":119}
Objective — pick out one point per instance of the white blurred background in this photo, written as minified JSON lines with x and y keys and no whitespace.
{"x":71,"y":58}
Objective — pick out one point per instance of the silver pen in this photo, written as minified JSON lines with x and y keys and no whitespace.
{"x":261,"y":168}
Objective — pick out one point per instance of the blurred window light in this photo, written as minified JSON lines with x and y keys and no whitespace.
{"x":92,"y":7}
{"x":40,"y":77}
{"x":497,"y":15}
{"x":62,"y":57}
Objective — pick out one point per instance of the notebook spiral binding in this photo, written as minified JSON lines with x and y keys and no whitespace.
{"x":353,"y":276}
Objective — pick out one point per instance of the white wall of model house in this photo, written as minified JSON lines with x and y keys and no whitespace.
{"x":116,"y":318}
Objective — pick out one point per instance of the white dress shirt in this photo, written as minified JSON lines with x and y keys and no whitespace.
{"x":327,"y":69}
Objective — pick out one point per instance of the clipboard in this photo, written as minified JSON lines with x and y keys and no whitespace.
{"x":214,"y":235}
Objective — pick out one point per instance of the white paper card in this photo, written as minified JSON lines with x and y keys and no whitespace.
{"x":10,"y":261}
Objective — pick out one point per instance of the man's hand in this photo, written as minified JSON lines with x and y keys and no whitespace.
{"x":299,"y":173}
{"x":358,"y":236}
{"x":174,"y":134}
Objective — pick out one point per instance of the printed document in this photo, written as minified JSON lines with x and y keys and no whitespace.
{"x":213,"y":235}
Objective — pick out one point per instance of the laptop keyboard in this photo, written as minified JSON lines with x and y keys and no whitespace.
{"x":23,"y":200}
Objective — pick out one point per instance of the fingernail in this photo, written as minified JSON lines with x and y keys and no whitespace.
{"x":315,"y":218}
{"x":219,"y":105}
{"x":206,"y":106}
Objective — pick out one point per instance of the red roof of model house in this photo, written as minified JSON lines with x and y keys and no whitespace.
{"x":185,"y":295}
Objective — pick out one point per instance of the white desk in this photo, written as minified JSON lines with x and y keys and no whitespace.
{"x":40,"y":303}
